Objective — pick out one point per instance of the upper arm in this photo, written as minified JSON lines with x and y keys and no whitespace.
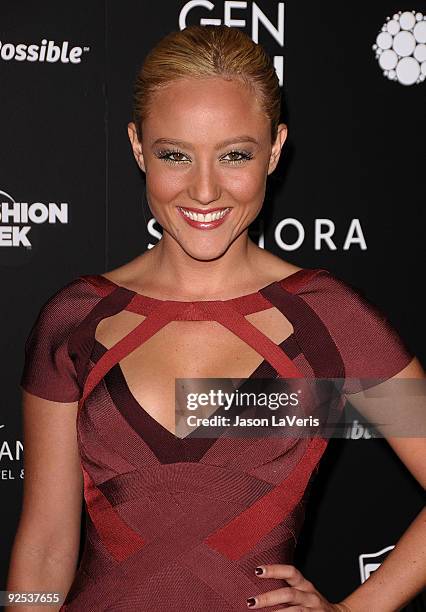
{"x":399,"y":404}
{"x":53,"y":485}
{"x":383,"y":379}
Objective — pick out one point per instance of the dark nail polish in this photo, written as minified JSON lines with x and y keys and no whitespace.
{"x":251,"y":601}
{"x":259,"y":570}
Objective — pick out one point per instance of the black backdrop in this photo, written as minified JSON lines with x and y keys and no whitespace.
{"x":355,"y":151}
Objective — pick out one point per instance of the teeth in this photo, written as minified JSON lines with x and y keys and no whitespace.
{"x":204,"y":218}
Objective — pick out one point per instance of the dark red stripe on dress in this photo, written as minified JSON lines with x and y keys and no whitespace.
{"x":311,"y":333}
{"x":167,"y":447}
{"x":211,"y":311}
{"x":238,"y":537}
{"x":147,"y":328}
{"x":82,"y":339}
{"x":249,"y":333}
{"x":119,"y":539}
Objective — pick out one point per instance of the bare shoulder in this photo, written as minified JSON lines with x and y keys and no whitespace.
{"x":288,"y":269}
{"x":130,"y":274}
{"x":275,"y":267}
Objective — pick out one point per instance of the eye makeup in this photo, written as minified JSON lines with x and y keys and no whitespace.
{"x":166,"y":155}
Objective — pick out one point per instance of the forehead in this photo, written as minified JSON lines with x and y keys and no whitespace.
{"x":204,"y":110}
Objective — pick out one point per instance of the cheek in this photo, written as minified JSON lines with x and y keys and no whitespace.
{"x":164,"y":184}
{"x":245,"y":186}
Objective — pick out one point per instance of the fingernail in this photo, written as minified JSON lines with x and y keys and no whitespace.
{"x":251,"y":602}
{"x":259,"y":570}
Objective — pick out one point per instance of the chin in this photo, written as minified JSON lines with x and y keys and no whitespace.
{"x":205,"y":253}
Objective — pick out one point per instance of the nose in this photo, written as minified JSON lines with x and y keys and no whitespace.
{"x":204,"y":186}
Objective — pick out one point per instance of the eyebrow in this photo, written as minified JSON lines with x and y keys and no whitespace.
{"x":220,"y":145}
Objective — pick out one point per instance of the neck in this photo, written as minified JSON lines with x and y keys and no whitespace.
{"x":192,"y":278}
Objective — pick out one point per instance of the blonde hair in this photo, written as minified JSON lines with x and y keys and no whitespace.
{"x":208,"y":51}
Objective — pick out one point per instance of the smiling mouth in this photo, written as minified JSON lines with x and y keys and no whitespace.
{"x":199,"y":217}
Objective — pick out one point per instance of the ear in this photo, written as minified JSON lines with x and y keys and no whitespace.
{"x":277,"y":146}
{"x":136,"y":145}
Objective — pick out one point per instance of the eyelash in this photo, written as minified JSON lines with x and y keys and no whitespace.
{"x":166,"y":152}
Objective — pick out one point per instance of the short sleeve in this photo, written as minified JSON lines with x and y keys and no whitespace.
{"x":369,"y":345}
{"x":48,"y":370}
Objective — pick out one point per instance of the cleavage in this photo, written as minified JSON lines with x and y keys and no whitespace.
{"x":185,"y":349}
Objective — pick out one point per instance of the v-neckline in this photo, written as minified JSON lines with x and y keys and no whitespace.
{"x":263,"y":367}
{"x":134,"y":414}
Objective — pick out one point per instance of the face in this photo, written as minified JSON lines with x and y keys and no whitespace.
{"x":206,"y":151}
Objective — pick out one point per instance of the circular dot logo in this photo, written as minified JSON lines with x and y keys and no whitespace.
{"x":400,"y":48}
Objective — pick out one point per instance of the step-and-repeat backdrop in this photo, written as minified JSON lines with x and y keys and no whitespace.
{"x":348,"y":196}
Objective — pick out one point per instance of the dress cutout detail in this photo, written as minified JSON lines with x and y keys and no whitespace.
{"x":180,"y":523}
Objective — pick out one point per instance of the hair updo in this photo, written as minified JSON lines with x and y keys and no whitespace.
{"x":208,"y":51}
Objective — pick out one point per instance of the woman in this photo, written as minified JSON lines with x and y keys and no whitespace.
{"x":187,"y":523}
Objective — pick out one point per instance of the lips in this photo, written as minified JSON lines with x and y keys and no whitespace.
{"x":204,"y":219}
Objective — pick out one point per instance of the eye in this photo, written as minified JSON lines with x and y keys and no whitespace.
{"x":175,"y":156}
{"x":243,"y":156}
{"x":172,"y":156}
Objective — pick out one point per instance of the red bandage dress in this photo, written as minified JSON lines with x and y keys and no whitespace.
{"x":179,"y":524}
